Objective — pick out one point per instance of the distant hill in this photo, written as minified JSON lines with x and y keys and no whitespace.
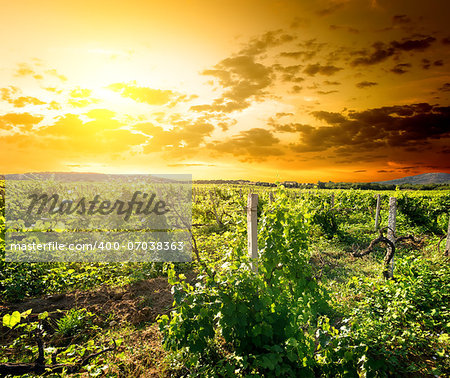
{"x":94,"y":177}
{"x":426,"y":178}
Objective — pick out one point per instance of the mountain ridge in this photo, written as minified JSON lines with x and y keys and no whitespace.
{"x":424,"y":178}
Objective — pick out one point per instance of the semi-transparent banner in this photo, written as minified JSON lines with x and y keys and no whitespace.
{"x":98,"y":246}
{"x":70,"y":205}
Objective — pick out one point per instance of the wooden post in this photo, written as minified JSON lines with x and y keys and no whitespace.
{"x":391,"y":229}
{"x":214,"y":207}
{"x":252,"y":229}
{"x":447,"y":244}
{"x":377,"y":213}
{"x":332,"y":200}
{"x":271,"y":197}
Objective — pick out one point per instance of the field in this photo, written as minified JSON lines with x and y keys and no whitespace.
{"x":313,"y":307}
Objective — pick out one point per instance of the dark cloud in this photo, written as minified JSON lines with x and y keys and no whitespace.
{"x":445,"y":88}
{"x":253,"y":144}
{"x":326,"y":92}
{"x":272,"y":38}
{"x":345,"y":28}
{"x":327,"y":70}
{"x":287,"y":127}
{"x":446,"y":41}
{"x":381,"y":51}
{"x":309,"y":49}
{"x":366,"y":84}
{"x":331,"y":8}
{"x":303,"y":55}
{"x":243,"y":79}
{"x":438,"y":63}
{"x":182,"y":140}
{"x":396,"y":126}
{"x":413,"y":44}
{"x":426,"y":64}
{"x":300,"y":22}
{"x":360,"y":171}
{"x":327,"y":82}
{"x":379,"y":54}
{"x":329,"y":117}
{"x":398,"y":19}
{"x":400,"y":68}
{"x":289,"y":73}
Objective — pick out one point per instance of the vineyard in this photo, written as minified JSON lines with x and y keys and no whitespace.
{"x":316,"y":302}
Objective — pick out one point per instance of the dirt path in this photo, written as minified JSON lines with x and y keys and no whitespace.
{"x":135,"y":303}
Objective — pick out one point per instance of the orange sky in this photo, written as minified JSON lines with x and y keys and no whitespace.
{"x":341,"y":90}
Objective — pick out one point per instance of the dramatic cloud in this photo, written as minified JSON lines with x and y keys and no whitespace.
{"x":445,"y":88}
{"x":332,"y":7}
{"x":400,"y":68}
{"x":329,"y":117}
{"x":344,"y":27}
{"x":182,"y":140}
{"x":102,"y":134}
{"x":289,"y":73}
{"x":396,"y":126}
{"x":260,"y":45}
{"x":398,"y":19}
{"x":327,"y":82}
{"x":366,"y":84}
{"x":381,"y":51}
{"x":253,"y":144}
{"x":243,"y":79}
{"x":327,"y":70}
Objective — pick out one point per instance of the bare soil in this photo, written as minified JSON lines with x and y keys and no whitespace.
{"x":135,"y":303}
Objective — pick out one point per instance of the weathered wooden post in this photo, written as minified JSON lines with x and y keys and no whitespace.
{"x":391,"y":228}
{"x":214,"y":206}
{"x":252,"y":229}
{"x":377,"y":213}
{"x":271,"y":197}
{"x":332,"y":200}
{"x":447,"y":244}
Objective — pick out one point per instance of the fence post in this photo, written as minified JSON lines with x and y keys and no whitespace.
{"x":271,"y":197}
{"x":377,"y":213}
{"x":332,"y":200}
{"x":252,"y":229}
{"x":391,"y":229}
{"x":447,"y":244}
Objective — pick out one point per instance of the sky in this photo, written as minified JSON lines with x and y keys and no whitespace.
{"x":340,"y":90}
